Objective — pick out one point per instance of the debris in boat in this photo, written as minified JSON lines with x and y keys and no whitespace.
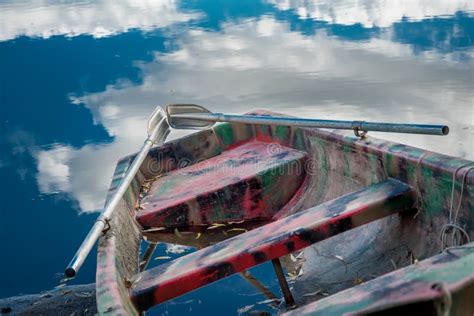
{"x":141,"y":206}
{"x":268,"y":301}
{"x":293,"y":258}
{"x":162,"y":257}
{"x":313,"y":293}
{"x":66,"y":292}
{"x":300,"y":255}
{"x":340,"y":258}
{"x":127,"y":283}
{"x":177,"y":233}
{"x":156,"y":229}
{"x":216,"y":225}
{"x":358,"y":281}
{"x":198,"y":235}
{"x":145,"y":238}
{"x":300,"y":273}
{"x":245,"y":309}
{"x":138,"y":279}
{"x":233,"y":223}
{"x":177,"y":249}
{"x":236,"y":230}
{"x":393,"y":264}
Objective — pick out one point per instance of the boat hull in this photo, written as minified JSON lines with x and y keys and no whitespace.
{"x":337,"y":164}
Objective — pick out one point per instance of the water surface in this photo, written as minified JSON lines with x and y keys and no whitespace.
{"x":79,"y":78}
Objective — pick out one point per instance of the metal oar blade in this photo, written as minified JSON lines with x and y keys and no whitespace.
{"x":190,"y":116}
{"x":174,"y":112}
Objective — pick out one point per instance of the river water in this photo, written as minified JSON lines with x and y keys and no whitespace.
{"x":79,"y":78}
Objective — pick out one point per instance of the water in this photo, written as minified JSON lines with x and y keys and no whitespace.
{"x":78,"y":79}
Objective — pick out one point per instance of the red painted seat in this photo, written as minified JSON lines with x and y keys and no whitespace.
{"x":270,"y":241}
{"x":248,"y":182}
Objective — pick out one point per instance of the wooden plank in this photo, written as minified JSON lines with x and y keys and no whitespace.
{"x":444,"y":281}
{"x":270,"y":241}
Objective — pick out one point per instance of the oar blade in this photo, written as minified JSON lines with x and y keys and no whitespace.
{"x":186,"y":123}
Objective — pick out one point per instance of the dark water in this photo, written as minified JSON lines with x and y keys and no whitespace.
{"x":78,"y":79}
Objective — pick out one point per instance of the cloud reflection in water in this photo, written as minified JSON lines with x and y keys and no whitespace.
{"x":262,"y":63}
{"x":97,"y":18}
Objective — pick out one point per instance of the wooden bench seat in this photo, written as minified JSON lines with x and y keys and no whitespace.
{"x":271,"y":241}
{"x":252,"y":181}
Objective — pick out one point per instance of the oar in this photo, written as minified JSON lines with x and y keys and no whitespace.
{"x":158,"y":129}
{"x":191,"y":116}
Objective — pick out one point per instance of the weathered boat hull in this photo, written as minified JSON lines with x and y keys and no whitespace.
{"x":337,"y":165}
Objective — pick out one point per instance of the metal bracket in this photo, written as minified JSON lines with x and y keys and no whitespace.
{"x":106,"y":222}
{"x":357,"y":128}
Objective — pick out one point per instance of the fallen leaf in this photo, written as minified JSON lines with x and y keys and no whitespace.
{"x":270,"y":300}
{"x":216,"y":225}
{"x":156,"y":229}
{"x":245,"y":309}
{"x":198,"y":235}
{"x":162,"y":258}
{"x":313,"y":293}
{"x":300,"y":273}
{"x":177,"y":233}
{"x":300,"y":255}
{"x":239,"y":222}
{"x":358,"y":281}
{"x":236,"y":230}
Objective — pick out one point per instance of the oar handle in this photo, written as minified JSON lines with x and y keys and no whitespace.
{"x":305,"y":122}
{"x":84,"y":249}
{"x":426,"y":129}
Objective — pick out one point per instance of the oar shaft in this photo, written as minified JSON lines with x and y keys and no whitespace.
{"x":102,"y":220}
{"x":333,"y":124}
{"x":158,"y":129}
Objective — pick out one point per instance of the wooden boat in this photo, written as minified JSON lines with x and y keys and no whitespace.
{"x":395,"y":218}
